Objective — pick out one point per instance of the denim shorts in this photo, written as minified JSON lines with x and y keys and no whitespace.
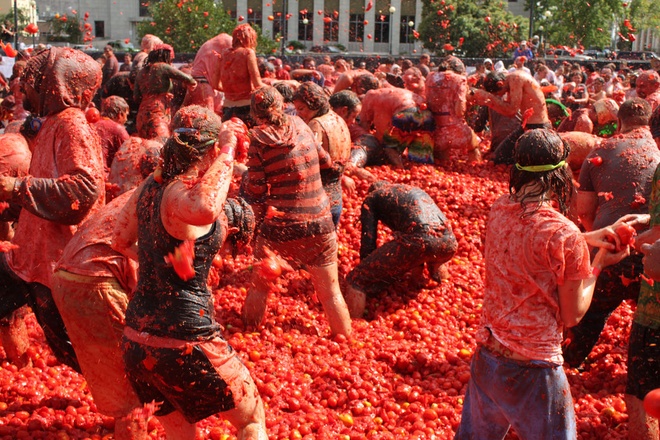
{"x":533,"y":397}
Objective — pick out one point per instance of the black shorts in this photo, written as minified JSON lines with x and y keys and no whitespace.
{"x":196,"y":379}
{"x":643,"y":361}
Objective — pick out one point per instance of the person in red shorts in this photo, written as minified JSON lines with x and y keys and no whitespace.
{"x":174,"y":351}
{"x":301,"y":228}
{"x":538,"y":280}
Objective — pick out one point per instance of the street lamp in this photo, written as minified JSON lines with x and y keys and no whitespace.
{"x":392,"y":11}
{"x":411,"y":26}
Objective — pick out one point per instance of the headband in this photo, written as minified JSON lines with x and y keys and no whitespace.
{"x":540,"y":168}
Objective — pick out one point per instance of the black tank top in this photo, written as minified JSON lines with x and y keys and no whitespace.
{"x":164,"y":304}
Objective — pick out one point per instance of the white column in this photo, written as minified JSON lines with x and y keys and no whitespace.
{"x":267,"y":11}
{"x":395,"y":24}
{"x":418,"y":21}
{"x":344,"y":18}
{"x":242,"y":10}
{"x":319,"y":5}
{"x":292,"y":24}
{"x":370,"y":17}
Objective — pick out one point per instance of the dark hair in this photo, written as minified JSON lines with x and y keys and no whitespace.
{"x":313,"y":96}
{"x":183,"y":149}
{"x":345,"y":98}
{"x":452,"y":63}
{"x":494,"y":81}
{"x":267,"y":103}
{"x":162,"y":53}
{"x":113,"y":106}
{"x":541,"y":147}
{"x":654,"y":123}
{"x":635,"y":111}
{"x":241,"y":216}
{"x":285,"y":90}
{"x":365,"y":82}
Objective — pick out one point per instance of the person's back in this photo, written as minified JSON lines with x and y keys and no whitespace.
{"x":207,"y":60}
{"x":379,"y":105}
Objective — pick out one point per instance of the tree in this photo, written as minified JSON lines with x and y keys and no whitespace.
{"x":476,"y":28}
{"x":65,"y":28}
{"x":576,"y":23}
{"x":187,"y":24}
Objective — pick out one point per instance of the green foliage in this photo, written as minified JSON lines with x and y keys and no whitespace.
{"x":485,"y":27}
{"x":576,"y":23}
{"x":66,"y":28}
{"x":296,"y":45}
{"x":187,"y":24}
{"x":644,"y":14}
{"x":23,"y":19}
{"x":265,"y":44}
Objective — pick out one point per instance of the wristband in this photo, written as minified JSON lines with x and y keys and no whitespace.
{"x":228,"y":149}
{"x":595,"y":271}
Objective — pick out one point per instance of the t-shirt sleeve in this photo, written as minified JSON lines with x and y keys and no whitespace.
{"x":569,"y":255}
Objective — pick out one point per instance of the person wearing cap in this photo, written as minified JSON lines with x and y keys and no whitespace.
{"x":173,"y":348}
{"x":539,"y":280}
{"x":523,"y":51}
{"x":618,"y":183}
{"x":488,"y":65}
{"x":648,"y":87}
{"x":296,"y":221}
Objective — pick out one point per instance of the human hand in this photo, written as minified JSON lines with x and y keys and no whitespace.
{"x":651,"y":259}
{"x":634,"y":220}
{"x":604,"y":238}
{"x":192,"y":85}
{"x":348,"y":184}
{"x":7,"y":187}
{"x":606,"y":257}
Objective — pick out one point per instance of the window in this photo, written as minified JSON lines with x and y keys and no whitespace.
{"x":382,"y":29}
{"x":99,"y":29}
{"x":331,"y":26}
{"x":406,"y":32}
{"x":356,"y":28}
{"x":144,"y":7}
{"x":305,"y":26}
{"x":279,"y":24}
{"x":254,"y":17}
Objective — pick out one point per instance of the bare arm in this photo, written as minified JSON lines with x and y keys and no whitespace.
{"x":575,"y":295}
{"x":253,"y":69}
{"x":587,"y":205}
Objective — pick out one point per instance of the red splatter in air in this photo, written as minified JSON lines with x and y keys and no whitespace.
{"x":369,"y":6}
{"x":460,"y":41}
{"x":448,"y":47}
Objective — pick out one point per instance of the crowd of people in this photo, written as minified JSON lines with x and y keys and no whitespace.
{"x":114,"y":217}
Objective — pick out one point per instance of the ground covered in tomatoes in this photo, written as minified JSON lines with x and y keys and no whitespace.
{"x":401,"y":375}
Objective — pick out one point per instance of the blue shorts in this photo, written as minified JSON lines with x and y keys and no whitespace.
{"x":533,"y":397}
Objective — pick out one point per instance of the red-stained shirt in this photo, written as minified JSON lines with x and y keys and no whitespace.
{"x":89,"y":252}
{"x":112,"y":135}
{"x":523,"y":269}
{"x":64,"y":187}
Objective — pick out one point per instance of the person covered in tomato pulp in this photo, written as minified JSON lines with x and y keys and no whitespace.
{"x":174,"y":351}
{"x":422,"y":235}
{"x":64,"y":185}
{"x":283,"y":183}
{"x":539,"y":279}
{"x":644,"y":343}
{"x":615,"y":180}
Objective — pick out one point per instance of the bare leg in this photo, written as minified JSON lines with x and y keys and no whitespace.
{"x":177,"y":428}
{"x":130,"y":428}
{"x":326,"y":283}
{"x":249,"y":417}
{"x":356,"y":301}
{"x":256,"y":301}
{"x":15,"y":340}
{"x":641,"y":426}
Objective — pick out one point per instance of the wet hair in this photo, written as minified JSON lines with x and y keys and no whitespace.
{"x":379,"y":184}
{"x":635,"y":111}
{"x":365,"y":82}
{"x":113,"y":106}
{"x":264,"y":67}
{"x":241,"y":216}
{"x":451,"y":63}
{"x":161,"y":53}
{"x":541,"y":147}
{"x":267,"y":104}
{"x":406,"y":64}
{"x":654,"y":123}
{"x":244,"y":36}
{"x":181,"y":150}
{"x":314,"y":97}
{"x":150,"y":159}
{"x":285,"y":90}
{"x":494,"y":81}
{"x":149,"y":41}
{"x":345,"y":98}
